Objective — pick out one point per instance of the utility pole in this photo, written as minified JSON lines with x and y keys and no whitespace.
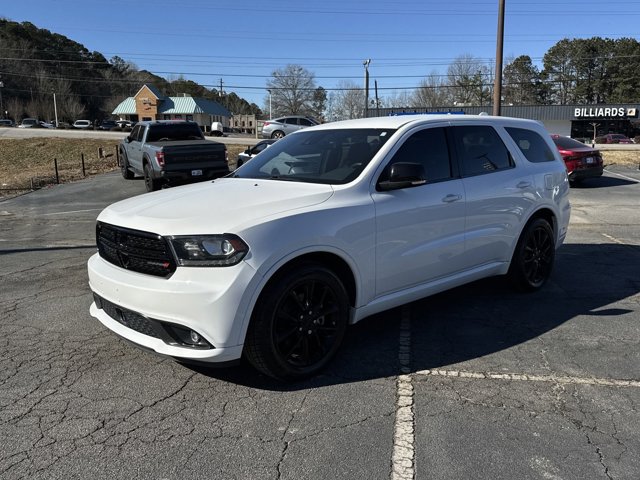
{"x":55,"y":108}
{"x":497,"y":89}
{"x":1,"y":106}
{"x":366,"y":86}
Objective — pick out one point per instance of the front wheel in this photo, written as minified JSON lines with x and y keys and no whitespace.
{"x":533,"y":258}
{"x":150,"y":183}
{"x":127,"y":174}
{"x":298,"y":323}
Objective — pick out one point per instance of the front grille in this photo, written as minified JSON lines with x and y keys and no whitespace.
{"x":128,"y":318}
{"x":135,"y":250}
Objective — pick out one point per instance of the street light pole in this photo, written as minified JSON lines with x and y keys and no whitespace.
{"x":497,"y":85}
{"x":1,"y":105}
{"x":366,"y":86}
{"x":270,"y":111}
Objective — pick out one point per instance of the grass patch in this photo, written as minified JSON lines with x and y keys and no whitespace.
{"x":627,"y":158}
{"x":29,"y":163}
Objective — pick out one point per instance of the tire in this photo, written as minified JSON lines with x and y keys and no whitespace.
{"x":278,"y":134}
{"x":533,"y":258}
{"x":124,"y":167}
{"x":298,"y":323}
{"x":150,"y":183}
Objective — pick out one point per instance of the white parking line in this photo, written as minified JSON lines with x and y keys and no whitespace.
{"x":74,"y":211}
{"x":522,"y":377}
{"x":622,"y":176}
{"x":403,"y":458}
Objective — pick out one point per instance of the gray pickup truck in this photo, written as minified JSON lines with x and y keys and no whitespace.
{"x":168,"y":152}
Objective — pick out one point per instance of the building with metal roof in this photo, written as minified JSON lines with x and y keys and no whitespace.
{"x":149,"y":104}
{"x":576,"y":121}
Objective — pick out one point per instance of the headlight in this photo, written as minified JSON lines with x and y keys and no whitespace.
{"x":208,"y":250}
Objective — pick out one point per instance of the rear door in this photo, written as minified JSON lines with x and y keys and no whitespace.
{"x":499,"y":193}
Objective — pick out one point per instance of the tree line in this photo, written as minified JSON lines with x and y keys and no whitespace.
{"x":35,"y":64}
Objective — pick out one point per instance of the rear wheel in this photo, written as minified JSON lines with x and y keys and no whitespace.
{"x":533,"y":258}
{"x":150,"y":183}
{"x":298,"y":323}
{"x":277,"y":134}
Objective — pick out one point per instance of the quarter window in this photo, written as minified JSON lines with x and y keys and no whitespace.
{"x":531,"y":144}
{"x":480,"y":150}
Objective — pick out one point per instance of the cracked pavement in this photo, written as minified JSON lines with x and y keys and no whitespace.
{"x":78,"y":402}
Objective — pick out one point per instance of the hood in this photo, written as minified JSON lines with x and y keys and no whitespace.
{"x":226,"y":205}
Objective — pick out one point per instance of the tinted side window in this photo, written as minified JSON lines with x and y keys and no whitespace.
{"x":531,"y":144}
{"x":480,"y":150}
{"x":290,"y":121}
{"x":135,"y":134}
{"x":305,"y":122}
{"x":429,"y":148}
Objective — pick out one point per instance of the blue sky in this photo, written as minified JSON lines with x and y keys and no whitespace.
{"x":243,"y":42}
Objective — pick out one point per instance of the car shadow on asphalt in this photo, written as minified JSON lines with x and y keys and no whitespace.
{"x":473,"y":321}
{"x":602,"y":182}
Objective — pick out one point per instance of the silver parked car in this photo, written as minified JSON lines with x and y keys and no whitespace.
{"x":279,"y":127}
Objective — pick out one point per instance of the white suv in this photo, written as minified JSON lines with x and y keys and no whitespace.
{"x":324,"y":228}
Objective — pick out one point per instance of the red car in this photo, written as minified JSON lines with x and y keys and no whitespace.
{"x":581,"y":160}
{"x":615,"y":138}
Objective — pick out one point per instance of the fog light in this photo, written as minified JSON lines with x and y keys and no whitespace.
{"x":184,"y":337}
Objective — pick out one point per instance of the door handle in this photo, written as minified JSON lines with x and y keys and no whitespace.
{"x":524,"y":185}
{"x":452,"y":198}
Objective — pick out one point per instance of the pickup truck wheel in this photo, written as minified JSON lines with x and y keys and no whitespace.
{"x":277,"y":134}
{"x":533,"y":258}
{"x":150,"y":183}
{"x":298,"y":323}
{"x":124,"y":167}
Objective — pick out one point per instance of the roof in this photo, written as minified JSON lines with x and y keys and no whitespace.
{"x":398,"y":121}
{"x":176,"y":106}
{"x":191,"y":105}
{"x":153,"y":90}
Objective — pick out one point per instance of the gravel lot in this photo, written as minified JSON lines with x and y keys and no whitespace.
{"x":479,"y":382}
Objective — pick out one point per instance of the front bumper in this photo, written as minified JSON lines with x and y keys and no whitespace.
{"x":212,"y":302}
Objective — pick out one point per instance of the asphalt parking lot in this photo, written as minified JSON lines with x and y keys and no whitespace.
{"x":479,"y":382}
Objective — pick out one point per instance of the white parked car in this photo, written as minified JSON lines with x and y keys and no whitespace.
{"x":327,"y":226}
{"x":83,"y":124}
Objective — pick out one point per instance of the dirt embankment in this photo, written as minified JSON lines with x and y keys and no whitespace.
{"x":30,"y":163}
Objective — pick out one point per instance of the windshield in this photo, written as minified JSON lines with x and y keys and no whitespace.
{"x":317,"y":156}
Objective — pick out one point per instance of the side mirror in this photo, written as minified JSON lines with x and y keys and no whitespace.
{"x":404,"y":175}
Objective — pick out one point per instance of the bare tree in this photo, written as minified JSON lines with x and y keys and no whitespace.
{"x":292,"y":91}
{"x":71,"y":108}
{"x":432,"y":92}
{"x":15,"y":107}
{"x":470,"y":80}
{"x":346,"y":103}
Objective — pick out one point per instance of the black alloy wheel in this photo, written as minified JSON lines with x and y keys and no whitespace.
{"x":149,"y":182}
{"x":298,"y":324}
{"x":533,"y":259}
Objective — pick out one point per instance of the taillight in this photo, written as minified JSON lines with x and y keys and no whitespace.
{"x":265,"y":124}
{"x":160,"y":159}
